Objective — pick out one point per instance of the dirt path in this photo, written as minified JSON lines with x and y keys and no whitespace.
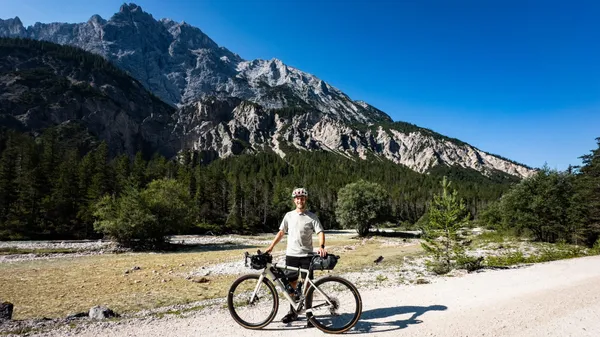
{"x":559,"y":298}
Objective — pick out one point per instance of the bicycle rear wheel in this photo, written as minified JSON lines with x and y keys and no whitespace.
{"x":257,"y":313}
{"x":339,"y":306}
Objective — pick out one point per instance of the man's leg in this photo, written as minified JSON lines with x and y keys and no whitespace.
{"x":292,"y":276}
{"x":305,"y":264}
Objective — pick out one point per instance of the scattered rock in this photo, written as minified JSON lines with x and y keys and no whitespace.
{"x":6,"y":310}
{"x":201,"y":280}
{"x":134,"y":268}
{"x":100,"y":312}
{"x":422,"y":281}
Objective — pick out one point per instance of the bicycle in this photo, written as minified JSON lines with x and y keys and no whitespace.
{"x":322,"y":299}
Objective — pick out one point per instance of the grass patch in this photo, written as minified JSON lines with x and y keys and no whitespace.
{"x":39,"y":251}
{"x":545,"y":253}
{"x":381,"y":278}
{"x":57,"y":287}
{"x":495,"y":237}
{"x":368,"y":250}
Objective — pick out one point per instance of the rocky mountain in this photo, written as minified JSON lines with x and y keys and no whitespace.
{"x":43,"y":85}
{"x":226,"y":105}
{"x":230,"y":127}
{"x":180,"y":64}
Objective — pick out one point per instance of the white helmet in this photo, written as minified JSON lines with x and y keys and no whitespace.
{"x":299,"y":192}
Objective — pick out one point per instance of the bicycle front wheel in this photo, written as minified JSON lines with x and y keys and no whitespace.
{"x":252,"y":313}
{"x":335,"y":305}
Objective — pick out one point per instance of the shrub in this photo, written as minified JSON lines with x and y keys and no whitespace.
{"x":128,"y":220}
{"x":145,"y":219}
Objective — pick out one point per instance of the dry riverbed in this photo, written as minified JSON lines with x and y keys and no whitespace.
{"x":156,"y":286}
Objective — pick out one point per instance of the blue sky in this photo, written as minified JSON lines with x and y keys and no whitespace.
{"x":516,"y":78}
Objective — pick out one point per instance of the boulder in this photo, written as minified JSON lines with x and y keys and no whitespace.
{"x":100,"y":312}
{"x":6,"y":310}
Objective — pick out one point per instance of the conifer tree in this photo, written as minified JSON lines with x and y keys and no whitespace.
{"x":234,"y":220}
{"x":8,"y":176}
{"x":588,"y":184}
{"x":446,"y":216}
{"x":65,"y":197}
{"x":121,"y":168}
{"x":138,"y":171}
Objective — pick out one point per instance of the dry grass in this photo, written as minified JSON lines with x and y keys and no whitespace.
{"x":367,"y":251}
{"x":39,"y":251}
{"x":58,"y":287}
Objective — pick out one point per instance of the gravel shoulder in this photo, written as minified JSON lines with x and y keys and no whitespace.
{"x":560,"y":298}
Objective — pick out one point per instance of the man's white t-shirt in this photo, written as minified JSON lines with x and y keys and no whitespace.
{"x":300,"y":228}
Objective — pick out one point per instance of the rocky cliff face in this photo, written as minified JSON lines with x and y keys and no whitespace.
{"x":43,"y":85}
{"x":227,"y":105}
{"x":234,"y":126}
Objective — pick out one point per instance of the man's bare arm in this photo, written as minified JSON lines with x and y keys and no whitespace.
{"x":322,"y":251}
{"x":278,"y":237}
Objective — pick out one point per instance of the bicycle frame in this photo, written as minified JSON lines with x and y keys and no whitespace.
{"x":307,"y":281}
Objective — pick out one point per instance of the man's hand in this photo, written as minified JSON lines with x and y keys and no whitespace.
{"x":269,"y":250}
{"x":322,"y":252}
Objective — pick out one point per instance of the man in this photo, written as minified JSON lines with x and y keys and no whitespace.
{"x":299,"y":224}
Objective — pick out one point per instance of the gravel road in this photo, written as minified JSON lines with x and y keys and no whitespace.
{"x":560,"y":298}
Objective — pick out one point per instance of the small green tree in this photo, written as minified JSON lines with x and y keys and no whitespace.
{"x":447,"y":214}
{"x":126,"y":219}
{"x":171,"y":203}
{"x":145,"y":219}
{"x":360,"y":205}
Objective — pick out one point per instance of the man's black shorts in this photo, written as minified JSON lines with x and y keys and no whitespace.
{"x":295,"y":261}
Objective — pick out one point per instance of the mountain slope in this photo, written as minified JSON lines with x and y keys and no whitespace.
{"x":231,"y":127}
{"x":180,"y":64}
{"x":44,"y":84}
{"x":227,"y":105}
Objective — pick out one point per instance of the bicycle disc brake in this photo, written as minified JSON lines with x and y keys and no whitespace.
{"x":254,"y":302}
{"x":335,"y":305}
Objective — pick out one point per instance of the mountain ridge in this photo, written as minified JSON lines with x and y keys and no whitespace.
{"x":185,"y":68}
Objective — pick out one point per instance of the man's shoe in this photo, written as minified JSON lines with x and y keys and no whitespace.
{"x":290,"y":317}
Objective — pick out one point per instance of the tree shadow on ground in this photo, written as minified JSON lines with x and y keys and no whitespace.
{"x":207,"y":247}
{"x":365,"y":325}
